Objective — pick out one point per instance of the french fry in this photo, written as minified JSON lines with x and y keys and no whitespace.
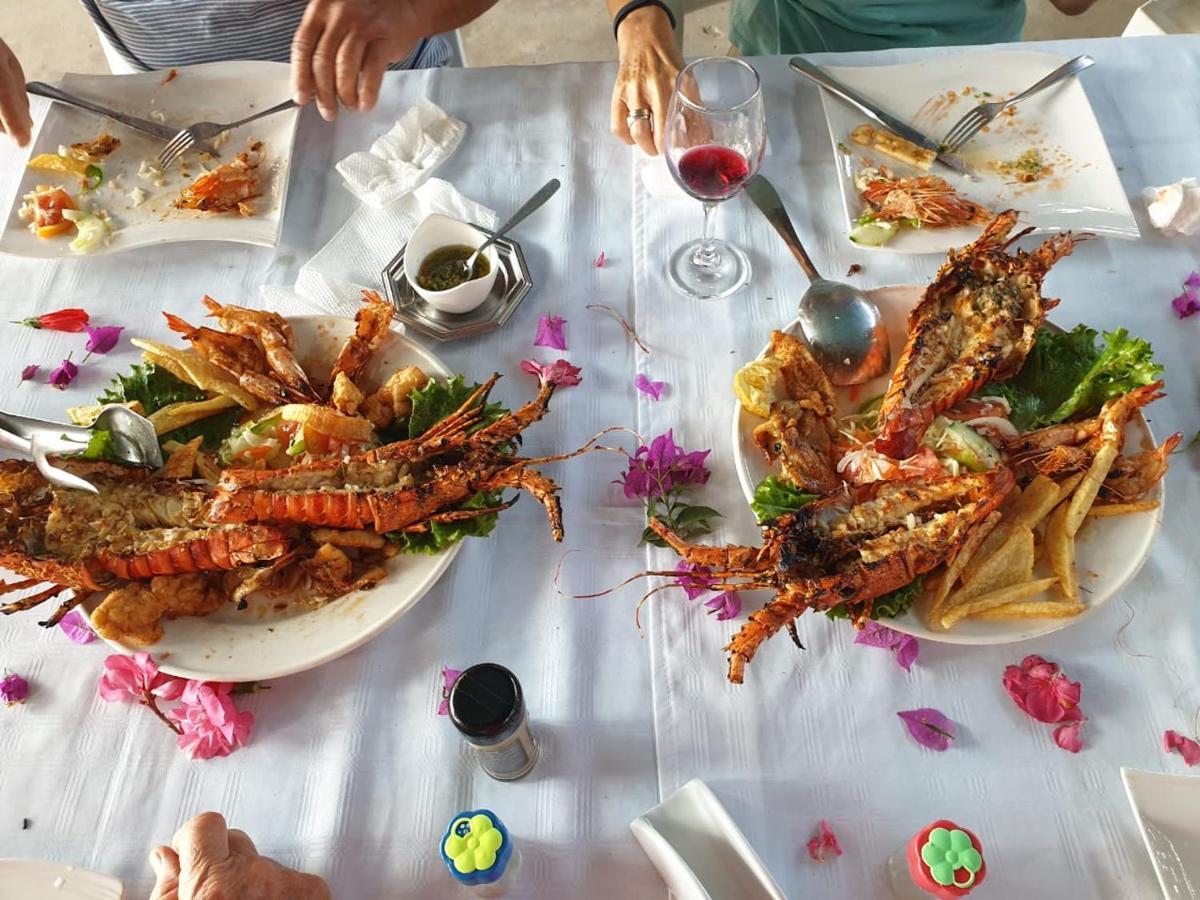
{"x":87,"y":415}
{"x":999,"y":597}
{"x":329,"y":422}
{"x":941,"y":586}
{"x":1105,"y":510}
{"x":1002,"y":530}
{"x":1033,"y":609}
{"x":207,"y":468}
{"x":197,"y":371}
{"x":182,"y":462}
{"x":358,"y":538}
{"x":179,"y":414}
{"x":1035,"y":503}
{"x":1067,"y":486}
{"x":1060,"y":551}
{"x":1011,"y":564}
{"x":1089,"y":487}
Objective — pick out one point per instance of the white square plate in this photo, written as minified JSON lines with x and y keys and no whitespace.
{"x":1083,"y":193}
{"x":215,"y":92}
{"x":1166,"y":810}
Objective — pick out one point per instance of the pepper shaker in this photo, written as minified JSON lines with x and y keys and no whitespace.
{"x":488,"y":709}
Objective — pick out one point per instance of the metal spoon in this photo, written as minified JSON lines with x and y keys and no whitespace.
{"x":545,"y":193}
{"x":843,"y":327}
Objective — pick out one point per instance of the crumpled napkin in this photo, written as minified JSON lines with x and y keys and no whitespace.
{"x":402,"y":159}
{"x":353,"y":260}
{"x":1175,"y":208}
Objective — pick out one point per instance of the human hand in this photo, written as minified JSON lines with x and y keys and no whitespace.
{"x":208,"y":861}
{"x":650,"y":60}
{"x":343,"y":47}
{"x":14,"y":102}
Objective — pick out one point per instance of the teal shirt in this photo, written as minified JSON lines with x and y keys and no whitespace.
{"x":762,"y":27}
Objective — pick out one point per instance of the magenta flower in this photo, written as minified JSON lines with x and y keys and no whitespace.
{"x":929,"y":728}
{"x":1188,"y":302}
{"x":651,"y":388}
{"x":75,"y":626}
{"x":1067,"y":735}
{"x":726,"y":605}
{"x":550,"y":333}
{"x":600,"y":260}
{"x":13,"y":688}
{"x":1188,"y":749}
{"x":659,"y":468}
{"x":825,"y":842}
{"x":905,"y":645}
{"x":449,"y":676}
{"x":136,"y":678}
{"x":1042,"y":691}
{"x":209,"y":724}
{"x":64,"y":374}
{"x":102,"y":339}
{"x":29,"y":371}
{"x":695,"y":578}
{"x":560,"y":372}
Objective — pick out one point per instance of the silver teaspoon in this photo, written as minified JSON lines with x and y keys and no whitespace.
{"x":546,"y":191}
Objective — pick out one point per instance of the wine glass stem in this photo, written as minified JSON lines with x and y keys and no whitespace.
{"x":707,"y":255}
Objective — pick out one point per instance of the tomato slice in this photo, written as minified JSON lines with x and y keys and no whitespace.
{"x":62,"y":226}
{"x":47,"y":209}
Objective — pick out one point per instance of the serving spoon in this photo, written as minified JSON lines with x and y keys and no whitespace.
{"x":843,"y":327}
{"x":546,"y":191}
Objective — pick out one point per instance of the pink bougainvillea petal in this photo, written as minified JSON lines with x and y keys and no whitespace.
{"x":600,"y":260}
{"x":726,"y":605}
{"x":75,"y":626}
{"x":560,"y":372}
{"x":825,"y":842}
{"x":929,"y":728}
{"x":449,"y":676}
{"x":550,"y":333}
{"x":29,"y":371}
{"x":64,"y":374}
{"x":906,"y":647}
{"x":652,"y":389}
{"x":1067,"y":736}
{"x":13,"y":688}
{"x":1188,"y":749}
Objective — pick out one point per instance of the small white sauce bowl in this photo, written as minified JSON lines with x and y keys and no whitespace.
{"x":434,"y":233}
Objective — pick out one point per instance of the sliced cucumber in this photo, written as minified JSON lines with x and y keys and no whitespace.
{"x":961,"y":443}
{"x":874,"y":234}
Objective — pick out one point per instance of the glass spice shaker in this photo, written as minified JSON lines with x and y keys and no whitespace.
{"x":488,"y":709}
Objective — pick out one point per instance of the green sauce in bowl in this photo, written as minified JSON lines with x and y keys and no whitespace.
{"x":442,"y":269}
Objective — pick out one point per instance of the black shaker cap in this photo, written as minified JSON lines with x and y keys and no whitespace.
{"x":486,"y":702}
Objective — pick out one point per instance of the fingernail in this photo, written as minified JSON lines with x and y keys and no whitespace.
{"x":326,"y":113}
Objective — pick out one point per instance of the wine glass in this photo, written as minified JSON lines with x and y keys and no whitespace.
{"x":715,"y":137}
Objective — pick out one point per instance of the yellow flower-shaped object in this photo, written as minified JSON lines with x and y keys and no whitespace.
{"x":476,"y":847}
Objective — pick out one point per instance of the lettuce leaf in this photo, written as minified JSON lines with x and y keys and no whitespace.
{"x":154,"y":388}
{"x":774,"y":498}
{"x":445,"y":534}
{"x":889,"y":606}
{"x":441,"y":397}
{"x":1070,"y":375}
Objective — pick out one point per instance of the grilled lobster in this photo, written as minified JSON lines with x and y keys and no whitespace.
{"x":847,"y":549}
{"x":975,"y":324}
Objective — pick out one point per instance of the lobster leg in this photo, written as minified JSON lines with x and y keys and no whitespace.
{"x":780,"y":612}
{"x":542,"y":488}
{"x":728,"y":558}
{"x":510,"y":426}
{"x":459,"y":515}
{"x":33,"y":599}
{"x":63,"y":608}
{"x":19,"y":585}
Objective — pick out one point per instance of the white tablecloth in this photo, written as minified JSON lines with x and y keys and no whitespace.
{"x":350,"y":774}
{"x":814,"y":734}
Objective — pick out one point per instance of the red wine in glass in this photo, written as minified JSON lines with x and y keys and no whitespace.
{"x":712,"y":172}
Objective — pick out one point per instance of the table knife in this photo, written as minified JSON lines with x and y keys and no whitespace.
{"x":872,"y":110}
{"x":145,"y":126}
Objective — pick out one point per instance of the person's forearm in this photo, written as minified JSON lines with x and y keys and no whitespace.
{"x":436,"y":16}
{"x":648,"y":13}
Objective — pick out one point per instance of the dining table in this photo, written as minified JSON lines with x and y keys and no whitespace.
{"x":352,"y":774}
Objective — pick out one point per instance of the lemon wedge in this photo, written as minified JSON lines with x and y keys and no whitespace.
{"x":757,"y":385}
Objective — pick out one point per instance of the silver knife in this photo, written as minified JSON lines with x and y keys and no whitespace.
{"x":145,"y":126}
{"x":873,"y":111}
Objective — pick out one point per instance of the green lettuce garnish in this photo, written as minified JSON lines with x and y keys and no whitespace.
{"x":444,"y":534}
{"x":1069,"y":375}
{"x":890,"y":605}
{"x":154,"y":387}
{"x":774,"y":498}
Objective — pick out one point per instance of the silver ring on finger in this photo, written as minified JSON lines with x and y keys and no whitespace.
{"x":637,"y":115}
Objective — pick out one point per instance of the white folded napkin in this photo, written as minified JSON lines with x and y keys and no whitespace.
{"x":354,"y":259}
{"x":1175,"y":208}
{"x":402,"y":159}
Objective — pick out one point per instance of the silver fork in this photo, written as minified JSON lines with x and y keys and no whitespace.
{"x":206,"y":131}
{"x":970,"y":124}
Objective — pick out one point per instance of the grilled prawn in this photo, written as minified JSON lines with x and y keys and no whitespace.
{"x":976,"y":323}
{"x":847,"y":549}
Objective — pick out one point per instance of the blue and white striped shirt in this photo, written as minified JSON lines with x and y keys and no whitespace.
{"x":161,"y":34}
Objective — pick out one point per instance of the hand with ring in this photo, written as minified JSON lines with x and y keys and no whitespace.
{"x":650,"y":58}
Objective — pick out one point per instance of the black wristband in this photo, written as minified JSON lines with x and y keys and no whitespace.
{"x":634,"y":6}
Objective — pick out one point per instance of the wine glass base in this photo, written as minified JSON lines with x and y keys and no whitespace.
{"x":708,"y":282}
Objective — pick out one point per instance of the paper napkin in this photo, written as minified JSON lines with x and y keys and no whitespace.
{"x":402,"y":159}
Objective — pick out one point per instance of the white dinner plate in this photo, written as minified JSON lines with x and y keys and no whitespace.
{"x":214,"y":92}
{"x":1110,"y":551}
{"x":1083,"y":193}
{"x":1165,"y":807}
{"x":261,"y":642}
{"x":35,"y":879}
